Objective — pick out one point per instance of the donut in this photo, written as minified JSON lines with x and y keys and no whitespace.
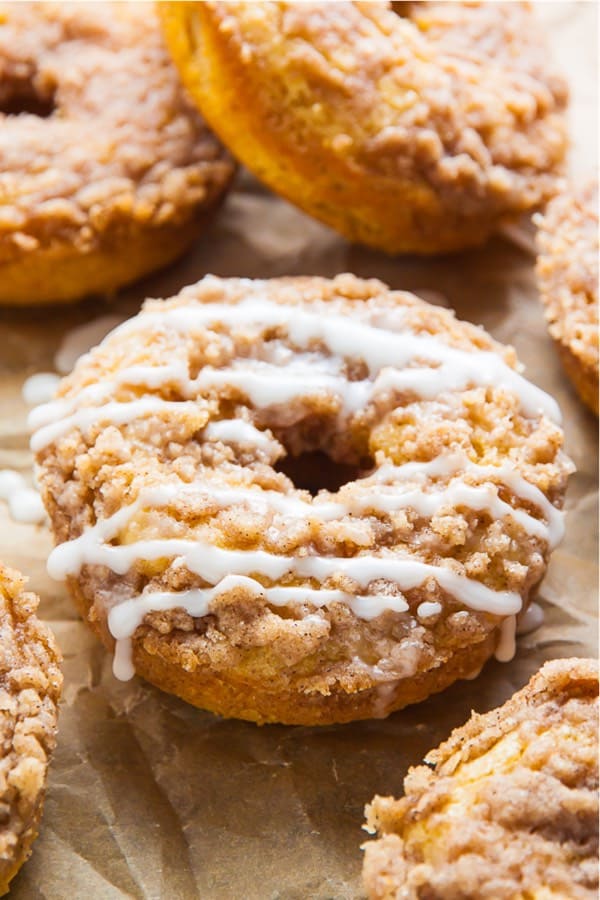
{"x":506,"y":808}
{"x":419,"y":128}
{"x":30,"y":687}
{"x":300,"y":500}
{"x":567,"y":272}
{"x":106,"y":171}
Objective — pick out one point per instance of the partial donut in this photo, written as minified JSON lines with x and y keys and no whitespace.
{"x":415,"y":129}
{"x":106,"y":171}
{"x":300,"y":500}
{"x":567,"y":270}
{"x":30,"y":687}
{"x":508,"y":808}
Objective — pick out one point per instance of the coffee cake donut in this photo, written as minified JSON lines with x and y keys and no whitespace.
{"x":30,"y":686}
{"x":171,"y":465}
{"x":508,"y":809}
{"x":567,"y":270}
{"x":106,"y":171}
{"x":420,"y":128}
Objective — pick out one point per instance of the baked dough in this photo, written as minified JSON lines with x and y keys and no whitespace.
{"x":30,"y":686}
{"x":416,"y":130}
{"x":106,"y":170}
{"x":567,"y":271}
{"x":508,"y":809}
{"x":173,"y":467}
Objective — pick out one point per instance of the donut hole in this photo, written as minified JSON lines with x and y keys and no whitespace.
{"x":403,"y":8}
{"x":24,"y":101}
{"x":315,"y":471}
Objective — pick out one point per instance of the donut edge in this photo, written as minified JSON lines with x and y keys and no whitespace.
{"x":422,"y":225}
{"x":55,"y":275}
{"x":554,"y":281}
{"x":229,"y":698}
{"x":583,"y":378}
{"x":232,"y":694}
{"x":24,"y":604}
{"x":557,"y":678}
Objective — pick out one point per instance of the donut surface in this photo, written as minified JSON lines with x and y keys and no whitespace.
{"x":106,"y":171}
{"x":30,"y":686}
{"x":508,"y":809}
{"x":173,"y":467}
{"x":414,"y":129}
{"x":567,"y":270}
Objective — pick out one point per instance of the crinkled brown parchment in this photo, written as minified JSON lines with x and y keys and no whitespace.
{"x":150,"y":798}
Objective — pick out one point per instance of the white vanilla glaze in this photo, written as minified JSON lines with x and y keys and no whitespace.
{"x":10,"y":483}
{"x":399,"y":361}
{"x":349,"y":338}
{"x":24,"y":503}
{"x":506,"y":646}
{"x":68,"y":557}
{"x":237,"y":431}
{"x":40,"y":388}
{"x":217,"y":566}
{"x":266,"y":384}
{"x":125,"y":617}
{"x":213,"y":563}
{"x":429,"y":608}
{"x":112,"y":413}
{"x":503,"y":475}
{"x":532,"y":618}
{"x":385,"y":693}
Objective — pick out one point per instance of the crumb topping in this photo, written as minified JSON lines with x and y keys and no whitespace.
{"x":95,"y":130}
{"x":184,"y":440}
{"x":30,"y":686}
{"x":567,"y":270}
{"x":460,"y":97}
{"x":522,"y":780}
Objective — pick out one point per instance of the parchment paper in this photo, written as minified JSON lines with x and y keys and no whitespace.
{"x":150,"y":798}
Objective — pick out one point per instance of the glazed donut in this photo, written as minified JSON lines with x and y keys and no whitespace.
{"x":415,"y":130}
{"x":567,"y":270}
{"x":181,"y":465}
{"x":106,"y":171}
{"x":30,"y":687}
{"x":522,"y":781}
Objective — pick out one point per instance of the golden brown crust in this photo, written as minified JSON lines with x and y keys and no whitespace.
{"x":297,"y":662}
{"x":30,"y":686}
{"x":227,"y":694}
{"x":567,"y":270}
{"x":509,"y":806}
{"x":419,"y":132}
{"x":120,"y":175}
